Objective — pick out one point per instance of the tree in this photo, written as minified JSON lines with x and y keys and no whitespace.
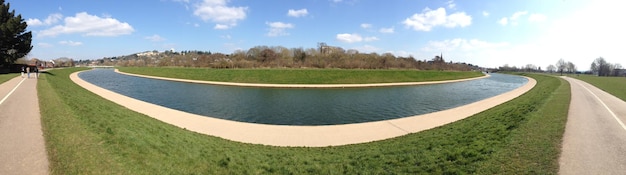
{"x":602,"y":67}
{"x":551,"y":68}
{"x":561,"y":65}
{"x":15,"y":42}
{"x":571,"y":68}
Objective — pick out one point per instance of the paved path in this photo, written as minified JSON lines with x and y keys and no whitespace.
{"x":310,"y":136}
{"x":22,"y":146}
{"x":595,"y":135}
{"x":305,"y":85}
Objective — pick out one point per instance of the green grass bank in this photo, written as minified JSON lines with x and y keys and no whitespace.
{"x":86,"y":134}
{"x":301,"y":76}
{"x":613,"y":85}
{"x":7,"y":77}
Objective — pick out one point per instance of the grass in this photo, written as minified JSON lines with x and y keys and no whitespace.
{"x":86,"y":134}
{"x":301,"y":76}
{"x":613,"y":85}
{"x":7,"y":77}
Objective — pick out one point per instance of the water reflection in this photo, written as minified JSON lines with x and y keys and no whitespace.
{"x":287,"y":106}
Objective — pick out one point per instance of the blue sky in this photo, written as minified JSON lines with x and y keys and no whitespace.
{"x":486,"y":33}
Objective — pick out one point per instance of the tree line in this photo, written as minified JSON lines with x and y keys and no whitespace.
{"x":599,"y":67}
{"x":281,"y":57}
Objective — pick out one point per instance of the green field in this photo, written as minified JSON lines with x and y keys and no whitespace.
{"x":86,"y":134}
{"x":301,"y":76}
{"x":7,"y":77}
{"x":612,"y":85}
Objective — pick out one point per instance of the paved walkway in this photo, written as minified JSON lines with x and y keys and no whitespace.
{"x":310,"y":136}
{"x":304,"y":85}
{"x":595,"y":134}
{"x":22,"y":146}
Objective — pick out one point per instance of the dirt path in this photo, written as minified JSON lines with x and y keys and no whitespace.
{"x":310,"y":136}
{"x":22,"y":146}
{"x":595,"y":135}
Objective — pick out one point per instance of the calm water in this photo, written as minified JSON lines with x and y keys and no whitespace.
{"x":286,"y":106}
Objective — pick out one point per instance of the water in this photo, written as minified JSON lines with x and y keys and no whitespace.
{"x":288,"y":106}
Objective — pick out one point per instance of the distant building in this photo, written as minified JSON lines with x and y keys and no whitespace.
{"x":619,"y":72}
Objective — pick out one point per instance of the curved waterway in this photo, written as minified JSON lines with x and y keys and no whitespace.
{"x":310,"y":106}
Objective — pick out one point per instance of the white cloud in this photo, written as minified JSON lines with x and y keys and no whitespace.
{"x":52,"y":19}
{"x":44,"y":45}
{"x":353,"y":38}
{"x":297,"y":13}
{"x":513,"y":19}
{"x":349,"y":38}
{"x":278,"y":28}
{"x":70,"y":43}
{"x":221,"y":27}
{"x":366,"y":25}
{"x":504,"y":21}
{"x":428,"y":19}
{"x":218,"y":12}
{"x":371,"y":38}
{"x":155,"y":38}
{"x":519,"y":14}
{"x":451,"y":4}
{"x":34,"y":22}
{"x":537,"y":18}
{"x":485,"y":13}
{"x":386,"y":30}
{"x":367,"y":49}
{"x":89,"y":25}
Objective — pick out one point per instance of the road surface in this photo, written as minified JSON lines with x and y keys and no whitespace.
{"x":595,"y":135}
{"x":22,"y":146}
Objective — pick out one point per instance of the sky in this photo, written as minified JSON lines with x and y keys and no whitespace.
{"x":484,"y":33}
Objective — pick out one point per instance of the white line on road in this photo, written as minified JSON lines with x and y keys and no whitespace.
{"x":605,"y":106}
{"x":13,"y":90}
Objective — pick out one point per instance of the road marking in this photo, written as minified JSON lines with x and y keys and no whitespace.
{"x":605,"y":106}
{"x":11,"y":92}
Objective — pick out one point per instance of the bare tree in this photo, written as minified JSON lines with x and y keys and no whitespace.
{"x":571,"y":68}
{"x":551,"y":68}
{"x":561,"y":65}
{"x":602,"y":67}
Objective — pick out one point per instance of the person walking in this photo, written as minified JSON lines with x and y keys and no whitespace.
{"x":23,"y":71}
{"x":28,"y":71}
{"x":36,"y":72}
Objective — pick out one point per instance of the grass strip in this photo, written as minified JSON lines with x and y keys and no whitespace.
{"x":301,"y":76}
{"x":7,"y":77}
{"x":613,"y":85}
{"x":86,"y":134}
{"x":534,"y":148}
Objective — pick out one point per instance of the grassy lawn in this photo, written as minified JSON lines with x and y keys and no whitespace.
{"x":7,"y":77}
{"x":86,"y":134}
{"x":612,"y":85}
{"x":301,"y":76}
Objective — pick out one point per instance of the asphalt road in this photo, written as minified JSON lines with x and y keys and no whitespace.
{"x":22,"y":146}
{"x":595,"y":133}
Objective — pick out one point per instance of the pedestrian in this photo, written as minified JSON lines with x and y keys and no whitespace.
{"x":36,"y":72}
{"x":23,"y":71}
{"x":28,"y":71}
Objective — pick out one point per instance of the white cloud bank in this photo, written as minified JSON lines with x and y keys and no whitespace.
{"x":297,"y":13}
{"x":278,"y":28}
{"x":89,"y":25}
{"x":353,"y":38}
{"x":220,"y":13}
{"x":428,"y":19}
